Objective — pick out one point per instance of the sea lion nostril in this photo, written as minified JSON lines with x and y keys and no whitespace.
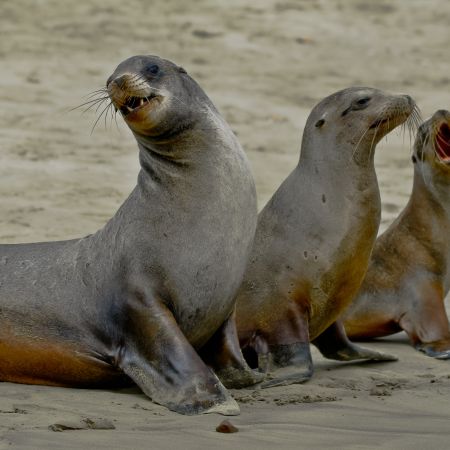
{"x":410,"y":100}
{"x":120,"y":81}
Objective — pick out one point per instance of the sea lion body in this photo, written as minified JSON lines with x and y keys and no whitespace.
{"x":158,"y":282}
{"x":315,"y":236}
{"x":409,"y":273}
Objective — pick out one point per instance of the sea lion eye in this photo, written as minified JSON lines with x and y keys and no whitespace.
{"x":153,"y":69}
{"x":363,"y":101}
{"x":414,"y":159}
{"x":319,"y":123}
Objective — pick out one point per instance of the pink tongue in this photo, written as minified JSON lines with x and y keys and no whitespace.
{"x":443,"y":142}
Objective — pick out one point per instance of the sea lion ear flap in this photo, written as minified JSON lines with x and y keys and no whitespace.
{"x":181,"y":70}
{"x":320,"y":123}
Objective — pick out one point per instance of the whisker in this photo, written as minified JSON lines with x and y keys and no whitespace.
{"x":90,"y":102}
{"x":96,"y":92}
{"x":382,"y":111}
{"x":99,"y":117}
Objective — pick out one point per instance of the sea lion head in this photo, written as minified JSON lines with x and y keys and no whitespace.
{"x":157,"y":99}
{"x":431,"y":154}
{"x":355,"y":119}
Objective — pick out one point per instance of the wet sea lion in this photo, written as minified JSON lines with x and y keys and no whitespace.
{"x":158,"y":282}
{"x":314,"y":238}
{"x":409,"y":272}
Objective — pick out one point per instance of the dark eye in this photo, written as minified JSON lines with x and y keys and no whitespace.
{"x":153,"y":68}
{"x":319,"y":123}
{"x":363,"y":101}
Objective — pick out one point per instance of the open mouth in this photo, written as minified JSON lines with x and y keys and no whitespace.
{"x":133,"y":104}
{"x":442,"y":143}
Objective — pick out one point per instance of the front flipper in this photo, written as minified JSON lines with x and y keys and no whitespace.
{"x":333,"y":343}
{"x":426,"y":324}
{"x":158,"y":358}
{"x":223,"y":354}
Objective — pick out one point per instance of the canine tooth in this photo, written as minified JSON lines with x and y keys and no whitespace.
{"x":142,"y":101}
{"x":129,"y":109}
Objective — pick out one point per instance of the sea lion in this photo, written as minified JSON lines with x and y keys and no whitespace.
{"x":158,"y":282}
{"x":314,"y":238}
{"x":409,"y":272}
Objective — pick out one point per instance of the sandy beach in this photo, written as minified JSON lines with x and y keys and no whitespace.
{"x":265,"y":64}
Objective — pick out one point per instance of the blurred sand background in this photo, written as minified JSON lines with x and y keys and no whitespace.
{"x":265,"y":64}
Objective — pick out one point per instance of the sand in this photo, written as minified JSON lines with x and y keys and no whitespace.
{"x":265,"y":64}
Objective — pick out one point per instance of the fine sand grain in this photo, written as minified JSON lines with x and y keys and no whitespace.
{"x":265,"y":64}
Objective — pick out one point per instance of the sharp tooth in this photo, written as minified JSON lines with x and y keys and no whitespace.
{"x":142,"y":101}
{"x":129,"y":109}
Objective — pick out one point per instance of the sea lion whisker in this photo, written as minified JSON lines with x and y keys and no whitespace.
{"x":97,"y":105}
{"x":112,"y":114}
{"x":372,"y":144}
{"x":96,"y":92}
{"x":408,"y":125}
{"x":357,"y":144}
{"x":365,"y":132}
{"x":416,"y":118}
{"x":115,"y":118}
{"x":108,"y":109}
{"x":99,"y":117}
{"x":90,"y":102}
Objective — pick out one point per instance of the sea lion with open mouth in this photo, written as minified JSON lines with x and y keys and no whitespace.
{"x":409,"y":272}
{"x":155,"y":288}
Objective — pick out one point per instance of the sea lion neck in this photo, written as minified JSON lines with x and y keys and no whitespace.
{"x":332,"y":158}
{"x":427,"y":192}
{"x":198,"y":147}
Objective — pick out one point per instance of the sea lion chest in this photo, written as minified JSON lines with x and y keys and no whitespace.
{"x":191,"y":250}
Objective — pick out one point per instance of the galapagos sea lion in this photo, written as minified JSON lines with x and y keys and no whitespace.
{"x":156,"y":286}
{"x":314,"y":238}
{"x":409,"y":272}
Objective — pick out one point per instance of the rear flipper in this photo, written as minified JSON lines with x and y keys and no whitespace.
{"x":223,"y":354}
{"x":333,"y":343}
{"x":159,"y":359}
{"x":426,"y":324}
{"x":290,"y":363}
{"x":437,"y":349}
{"x":284,"y":353}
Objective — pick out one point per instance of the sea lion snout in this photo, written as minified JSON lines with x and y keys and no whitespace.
{"x":131,"y":93}
{"x":442,"y":113}
{"x":410,"y":100}
{"x":392,"y":111}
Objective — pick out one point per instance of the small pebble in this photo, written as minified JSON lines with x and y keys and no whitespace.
{"x":226,"y":427}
